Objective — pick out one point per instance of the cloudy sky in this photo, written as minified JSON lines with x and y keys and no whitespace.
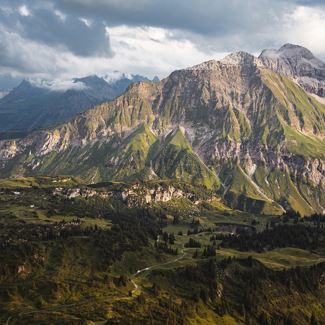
{"x":70,"y":38}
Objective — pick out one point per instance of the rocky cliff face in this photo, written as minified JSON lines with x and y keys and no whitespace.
{"x":234,"y":126}
{"x":299,"y":63}
{"x":134,"y":195}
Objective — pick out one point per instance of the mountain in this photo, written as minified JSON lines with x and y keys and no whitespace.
{"x":249,"y":133}
{"x":297,"y":62}
{"x":37,"y":105}
{"x":7,"y":83}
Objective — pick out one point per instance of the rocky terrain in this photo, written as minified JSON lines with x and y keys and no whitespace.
{"x":299,"y":63}
{"x":134,"y":195}
{"x":241,"y":127}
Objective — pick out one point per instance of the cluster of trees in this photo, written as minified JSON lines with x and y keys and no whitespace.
{"x":294,"y":216}
{"x":192,"y":243}
{"x":219,"y":236}
{"x":164,"y":247}
{"x":316,"y":219}
{"x":40,"y":232}
{"x":299,"y":235}
{"x":196,"y":231}
{"x":246,"y":289}
{"x":132,"y":230}
{"x":208,"y":251}
{"x":168,"y":238}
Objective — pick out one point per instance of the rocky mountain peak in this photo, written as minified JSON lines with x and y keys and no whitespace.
{"x":239,"y":58}
{"x":290,"y":51}
{"x":91,"y":81}
{"x":25,"y":88}
{"x":24,"y":84}
{"x":298,"y":62}
{"x":295,"y":50}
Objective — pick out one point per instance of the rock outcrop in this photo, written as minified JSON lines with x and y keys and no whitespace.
{"x":133,"y":195}
{"x":297,"y":62}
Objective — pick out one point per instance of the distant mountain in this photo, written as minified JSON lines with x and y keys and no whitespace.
{"x":239,"y":128}
{"x":298,"y":62}
{"x":37,"y":105}
{"x":7,"y":83}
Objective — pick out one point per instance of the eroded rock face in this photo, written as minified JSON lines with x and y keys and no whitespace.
{"x":135,"y":195}
{"x":141,"y":195}
{"x":8,"y":149}
{"x":299,"y":63}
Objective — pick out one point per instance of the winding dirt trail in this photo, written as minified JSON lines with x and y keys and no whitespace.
{"x":135,"y":275}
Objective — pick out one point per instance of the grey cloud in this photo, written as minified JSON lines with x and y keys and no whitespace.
{"x":212,"y":24}
{"x":10,"y":56}
{"x":8,"y":82}
{"x":204,"y":16}
{"x":310,"y":2}
{"x":19,"y":56}
{"x":43,"y":25}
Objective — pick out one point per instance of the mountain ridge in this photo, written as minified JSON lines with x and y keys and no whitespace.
{"x":38,"y":104}
{"x":245,"y":126}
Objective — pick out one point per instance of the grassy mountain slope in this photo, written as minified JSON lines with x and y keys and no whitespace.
{"x":301,"y":116}
{"x":243,"y":193}
{"x":176,"y":159}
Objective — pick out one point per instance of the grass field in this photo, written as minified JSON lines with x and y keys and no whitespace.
{"x":281,"y":258}
{"x":40,"y":181}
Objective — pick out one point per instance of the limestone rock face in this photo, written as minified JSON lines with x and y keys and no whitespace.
{"x":141,"y":195}
{"x":134,"y":195}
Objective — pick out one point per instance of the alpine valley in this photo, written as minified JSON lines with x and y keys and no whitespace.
{"x":195,"y":200}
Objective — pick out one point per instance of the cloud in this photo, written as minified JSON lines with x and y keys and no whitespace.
{"x":58,"y":84}
{"x":23,"y":10}
{"x":310,"y":2}
{"x":87,"y":22}
{"x":212,"y":25}
{"x":305,"y":25}
{"x":26,"y":56}
{"x":153,"y":50}
{"x":51,"y":26}
{"x":7,"y":82}
{"x":71,"y":38}
{"x":203,"y":17}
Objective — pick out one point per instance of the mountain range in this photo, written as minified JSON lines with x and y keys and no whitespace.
{"x":33,"y":105}
{"x":248,"y":128}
